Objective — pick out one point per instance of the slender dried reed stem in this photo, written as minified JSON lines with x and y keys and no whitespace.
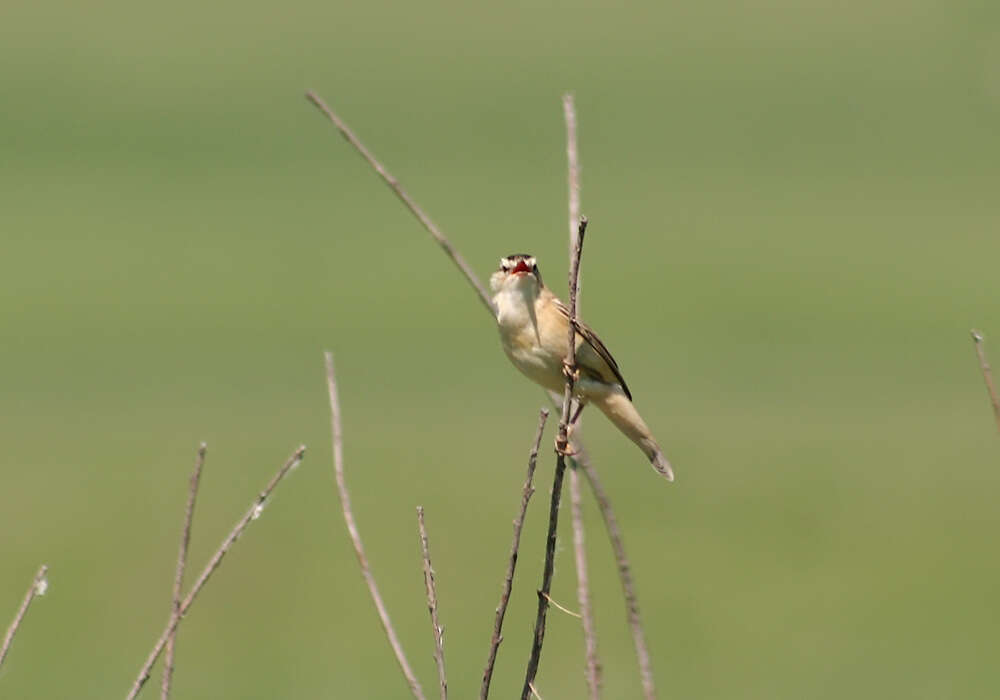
{"x":432,"y":604}
{"x":394,"y":185}
{"x":352,"y":529}
{"x":583,"y":589}
{"x":562,"y":446}
{"x":175,"y":619}
{"x":573,"y":169}
{"x":508,"y":579}
{"x":978,"y":339}
{"x":624,"y":573}
{"x":168,"y":661}
{"x":543,"y":593}
{"x":593,"y":666}
{"x":38,"y":587}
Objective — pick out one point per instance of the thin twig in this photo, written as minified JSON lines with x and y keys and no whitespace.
{"x":432,"y":604}
{"x":168,"y":661}
{"x":508,"y":580}
{"x":393,"y":184}
{"x":38,"y":587}
{"x":352,"y":529}
{"x":557,"y":606}
{"x":175,"y":619}
{"x":534,"y":692}
{"x":573,"y":170}
{"x":583,"y":588}
{"x":561,"y":448}
{"x":593,"y":666}
{"x":624,"y":571}
{"x":978,"y":339}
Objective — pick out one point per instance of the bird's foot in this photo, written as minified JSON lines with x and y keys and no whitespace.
{"x":570,"y":371}
{"x":563,"y":447}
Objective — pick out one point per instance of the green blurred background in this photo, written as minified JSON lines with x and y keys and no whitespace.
{"x":794,"y":225}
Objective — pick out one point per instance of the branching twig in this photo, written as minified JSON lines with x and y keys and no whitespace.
{"x":352,"y":529}
{"x":393,"y":183}
{"x":168,"y":661}
{"x":508,"y":580}
{"x":978,"y":339}
{"x":582,"y":585}
{"x":561,"y":449}
{"x":213,"y":564}
{"x":624,"y":572}
{"x":38,"y":587}
{"x":432,"y":605}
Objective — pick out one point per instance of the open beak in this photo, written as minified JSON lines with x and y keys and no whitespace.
{"x":520,"y":267}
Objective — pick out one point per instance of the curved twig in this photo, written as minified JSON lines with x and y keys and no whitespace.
{"x":394,"y":185}
{"x":352,"y":529}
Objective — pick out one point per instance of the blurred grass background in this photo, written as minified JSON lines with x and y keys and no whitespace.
{"x":794,"y":222}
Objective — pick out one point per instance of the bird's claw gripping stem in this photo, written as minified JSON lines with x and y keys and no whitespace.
{"x":563,"y":449}
{"x":571,"y":371}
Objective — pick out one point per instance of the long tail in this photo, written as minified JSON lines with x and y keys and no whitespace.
{"x":620,"y":411}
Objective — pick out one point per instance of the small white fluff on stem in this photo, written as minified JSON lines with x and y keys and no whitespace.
{"x":213,"y":564}
{"x":39,"y":585}
{"x":984,"y":365}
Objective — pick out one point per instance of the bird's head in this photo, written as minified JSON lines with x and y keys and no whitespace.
{"x":516,"y":271}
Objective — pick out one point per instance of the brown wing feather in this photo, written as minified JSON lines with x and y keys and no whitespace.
{"x":590,"y":337}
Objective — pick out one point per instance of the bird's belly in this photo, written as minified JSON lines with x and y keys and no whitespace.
{"x":534,"y":361}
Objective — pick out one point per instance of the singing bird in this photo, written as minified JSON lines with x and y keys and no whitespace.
{"x":534,"y":330}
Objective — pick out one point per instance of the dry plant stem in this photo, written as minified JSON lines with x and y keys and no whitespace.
{"x":543,"y":592}
{"x":508,"y":580}
{"x":168,"y":661}
{"x":561,"y":447}
{"x":573,"y":169}
{"x":583,"y":588}
{"x":432,"y":604}
{"x":352,"y":529}
{"x":394,"y":185}
{"x":624,"y":573}
{"x":8,"y":638}
{"x":984,"y":365}
{"x":593,"y":667}
{"x":213,"y":564}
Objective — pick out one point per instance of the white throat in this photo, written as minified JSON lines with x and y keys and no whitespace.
{"x":515,"y":301}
